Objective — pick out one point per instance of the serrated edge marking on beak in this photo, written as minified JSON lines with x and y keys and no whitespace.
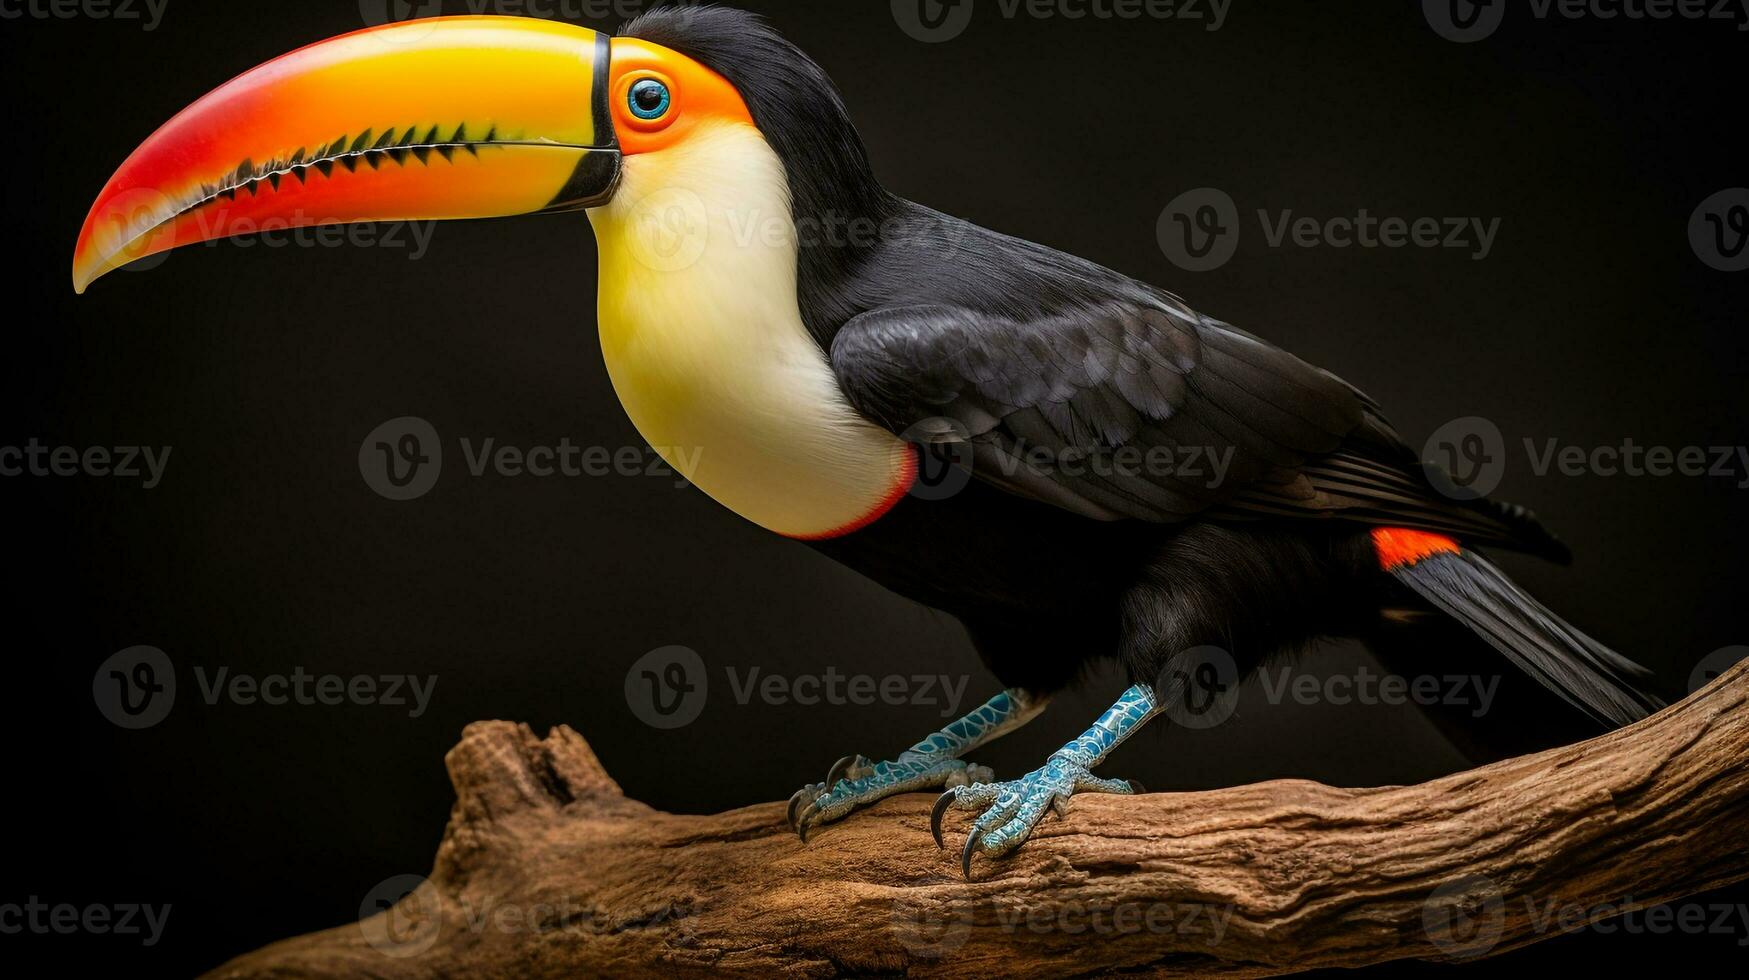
{"x":249,"y":176}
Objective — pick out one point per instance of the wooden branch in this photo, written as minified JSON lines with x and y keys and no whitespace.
{"x":547,"y":870}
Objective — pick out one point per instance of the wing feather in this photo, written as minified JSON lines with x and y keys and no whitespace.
{"x":1146,"y":380}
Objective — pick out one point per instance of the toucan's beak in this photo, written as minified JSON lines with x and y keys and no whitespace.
{"x":451,"y":117}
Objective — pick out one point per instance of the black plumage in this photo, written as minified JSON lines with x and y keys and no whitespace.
{"x":997,"y":351}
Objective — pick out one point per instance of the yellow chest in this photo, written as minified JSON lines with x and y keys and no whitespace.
{"x":705,"y":345}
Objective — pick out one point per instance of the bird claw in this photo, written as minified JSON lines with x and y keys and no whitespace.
{"x":941,"y":804}
{"x":854,"y":781}
{"x":843,"y":766}
{"x":806,"y":820}
{"x":805,"y":794}
{"x":1012,"y":809}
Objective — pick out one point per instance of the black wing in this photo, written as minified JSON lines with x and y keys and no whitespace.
{"x":1139,"y":408}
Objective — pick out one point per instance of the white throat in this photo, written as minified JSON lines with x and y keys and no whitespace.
{"x":704,"y":341}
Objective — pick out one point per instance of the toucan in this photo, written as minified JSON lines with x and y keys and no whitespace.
{"x":979,"y":423}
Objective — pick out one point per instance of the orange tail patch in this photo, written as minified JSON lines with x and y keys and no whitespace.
{"x":1399,"y":546}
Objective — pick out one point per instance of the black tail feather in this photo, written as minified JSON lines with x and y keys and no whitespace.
{"x":1584,"y":672}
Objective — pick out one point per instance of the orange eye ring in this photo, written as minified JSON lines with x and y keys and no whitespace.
{"x":696,"y":95}
{"x":622,"y":102}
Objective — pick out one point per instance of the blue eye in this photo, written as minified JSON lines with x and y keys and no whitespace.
{"x":649,"y":99}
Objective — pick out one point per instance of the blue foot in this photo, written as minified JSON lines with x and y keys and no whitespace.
{"x":1013,"y":808}
{"x":855,"y":782}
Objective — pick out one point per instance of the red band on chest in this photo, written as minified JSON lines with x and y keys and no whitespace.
{"x":901,"y":487}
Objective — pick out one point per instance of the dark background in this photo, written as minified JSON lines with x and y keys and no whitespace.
{"x":263,"y":549}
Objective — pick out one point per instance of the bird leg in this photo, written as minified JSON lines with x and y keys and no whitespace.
{"x":854,"y":781}
{"x":1013,"y":808}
